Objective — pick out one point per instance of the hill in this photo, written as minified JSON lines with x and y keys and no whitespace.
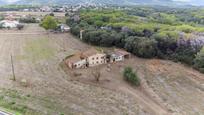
{"x":116,"y":2}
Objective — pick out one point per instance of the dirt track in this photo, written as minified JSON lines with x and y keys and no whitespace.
{"x":37,"y":56}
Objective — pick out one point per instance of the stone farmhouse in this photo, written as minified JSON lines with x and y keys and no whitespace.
{"x":93,"y":57}
{"x":89,"y":58}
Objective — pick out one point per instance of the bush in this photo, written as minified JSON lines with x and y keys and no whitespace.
{"x":28,"y":20}
{"x":20,"y":26}
{"x":131,"y":77}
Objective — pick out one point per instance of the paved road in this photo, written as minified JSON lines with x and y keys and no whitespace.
{"x":35,"y":33}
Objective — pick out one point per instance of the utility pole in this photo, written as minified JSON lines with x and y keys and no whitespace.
{"x":81,"y":34}
{"x":64,"y":47}
{"x":12,"y":66}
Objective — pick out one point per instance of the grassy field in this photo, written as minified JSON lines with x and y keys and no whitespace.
{"x":39,"y":49}
{"x":9,"y":100}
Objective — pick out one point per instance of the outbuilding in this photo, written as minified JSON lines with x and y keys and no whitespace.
{"x":76,"y":61}
{"x":119,"y":55}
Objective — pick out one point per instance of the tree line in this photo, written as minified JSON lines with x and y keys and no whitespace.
{"x":162,"y":36}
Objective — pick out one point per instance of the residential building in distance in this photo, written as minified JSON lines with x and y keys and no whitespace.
{"x":64,"y":28}
{"x":8,"y":24}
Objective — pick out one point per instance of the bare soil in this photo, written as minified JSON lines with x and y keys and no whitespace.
{"x":53,"y":89}
{"x":37,"y":56}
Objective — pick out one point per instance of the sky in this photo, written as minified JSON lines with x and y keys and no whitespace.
{"x":192,"y":1}
{"x":188,"y":1}
{"x":11,"y":1}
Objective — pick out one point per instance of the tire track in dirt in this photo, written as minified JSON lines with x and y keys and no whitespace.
{"x":148,"y":103}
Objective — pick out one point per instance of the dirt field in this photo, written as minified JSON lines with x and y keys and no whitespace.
{"x":167,"y":87}
{"x":37,"y":56}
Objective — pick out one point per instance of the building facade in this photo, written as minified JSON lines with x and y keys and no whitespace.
{"x":96,"y":59}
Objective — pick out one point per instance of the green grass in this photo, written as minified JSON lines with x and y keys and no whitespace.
{"x":9,"y":101}
{"x":10,"y":111}
{"x":38,"y":49}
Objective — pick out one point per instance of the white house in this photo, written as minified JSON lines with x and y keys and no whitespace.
{"x":64,"y":28}
{"x":119,"y":55}
{"x":8,"y":24}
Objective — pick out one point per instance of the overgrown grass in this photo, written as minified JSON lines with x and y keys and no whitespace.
{"x":9,"y":101}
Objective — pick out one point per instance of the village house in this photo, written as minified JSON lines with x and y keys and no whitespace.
{"x":89,"y":58}
{"x":94,"y":57}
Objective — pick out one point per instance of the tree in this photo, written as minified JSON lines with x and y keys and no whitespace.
{"x":98,"y":23}
{"x":143,"y":47}
{"x":52,"y":14}
{"x":131,"y":76}
{"x":75,"y":30}
{"x":97,"y":74}
{"x":49,"y":23}
{"x":20,"y":26}
{"x":199,"y":61}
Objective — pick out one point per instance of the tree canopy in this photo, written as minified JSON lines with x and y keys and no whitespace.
{"x":49,"y":22}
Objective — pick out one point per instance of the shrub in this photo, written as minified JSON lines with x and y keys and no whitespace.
{"x":20,"y":26}
{"x":28,"y":20}
{"x":131,"y":76}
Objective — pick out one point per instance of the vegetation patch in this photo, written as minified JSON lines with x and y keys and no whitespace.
{"x":131,"y":76}
{"x":9,"y":101}
{"x":39,"y":49}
